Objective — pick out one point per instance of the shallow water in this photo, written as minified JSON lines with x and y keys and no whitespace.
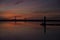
{"x":28,"y":31}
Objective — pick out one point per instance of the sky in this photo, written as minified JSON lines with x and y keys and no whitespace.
{"x":29,"y":9}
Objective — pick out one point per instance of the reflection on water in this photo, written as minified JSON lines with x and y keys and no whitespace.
{"x":27,"y":31}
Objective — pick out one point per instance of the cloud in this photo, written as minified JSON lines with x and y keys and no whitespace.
{"x":47,"y":11}
{"x":56,"y":17}
{"x":11,"y":1}
{"x":1,"y":18}
{"x":20,"y":1}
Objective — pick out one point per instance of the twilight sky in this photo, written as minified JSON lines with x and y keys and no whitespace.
{"x":30,"y":9}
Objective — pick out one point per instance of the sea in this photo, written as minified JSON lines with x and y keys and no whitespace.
{"x":28,"y":31}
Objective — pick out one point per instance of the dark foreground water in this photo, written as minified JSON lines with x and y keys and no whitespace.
{"x":28,"y":31}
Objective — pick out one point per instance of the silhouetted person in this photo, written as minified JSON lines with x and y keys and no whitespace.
{"x":44,"y":24}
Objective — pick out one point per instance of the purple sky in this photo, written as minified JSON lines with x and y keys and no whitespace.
{"x":30,"y":8}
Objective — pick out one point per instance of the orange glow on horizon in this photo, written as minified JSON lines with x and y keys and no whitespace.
{"x":10,"y":14}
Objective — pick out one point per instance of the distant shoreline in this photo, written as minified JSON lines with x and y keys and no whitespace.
{"x":33,"y":20}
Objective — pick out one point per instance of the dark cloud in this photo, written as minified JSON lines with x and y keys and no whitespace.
{"x":10,"y":1}
{"x":18,"y":2}
{"x":1,"y":18}
{"x":47,"y":3}
{"x":56,"y":17}
{"x":48,"y":11}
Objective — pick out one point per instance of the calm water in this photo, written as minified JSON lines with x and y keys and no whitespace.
{"x":28,"y":31}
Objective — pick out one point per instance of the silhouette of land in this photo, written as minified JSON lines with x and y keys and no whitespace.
{"x":30,"y":20}
{"x":22,"y":20}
